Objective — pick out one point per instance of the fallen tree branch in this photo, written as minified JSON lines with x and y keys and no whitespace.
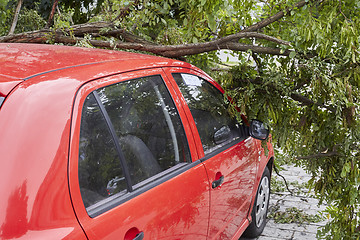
{"x":108,"y":29}
{"x":308,"y":102}
{"x":295,"y":96}
{"x":173,"y":51}
{"x":131,"y":41}
{"x":320,"y":155}
{"x":136,"y":43}
{"x":286,"y":184}
{"x":123,"y":12}
{"x":273,"y":18}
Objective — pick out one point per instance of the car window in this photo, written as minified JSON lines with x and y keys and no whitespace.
{"x":130,"y":132}
{"x":100,"y":172}
{"x":215,"y":125}
{"x":1,"y":100}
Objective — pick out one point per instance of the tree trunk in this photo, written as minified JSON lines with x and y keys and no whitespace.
{"x":16,"y":16}
{"x":51,"y":17}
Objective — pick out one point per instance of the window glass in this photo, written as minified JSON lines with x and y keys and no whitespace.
{"x":100,"y":172}
{"x":1,"y":100}
{"x":215,"y":125}
{"x":147,"y":124}
{"x":140,"y":117}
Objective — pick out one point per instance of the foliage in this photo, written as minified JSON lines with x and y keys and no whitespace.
{"x":278,"y":186}
{"x":5,"y":17}
{"x":308,"y":92}
{"x":30,"y":20}
{"x":293,"y":215}
{"x":83,"y":9}
{"x":321,"y":129}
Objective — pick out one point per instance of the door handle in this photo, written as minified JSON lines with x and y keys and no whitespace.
{"x":217,"y":183}
{"x":139,"y":236}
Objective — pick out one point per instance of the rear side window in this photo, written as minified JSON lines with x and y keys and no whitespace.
{"x":100,"y":172}
{"x":215,"y":125}
{"x":130,"y":135}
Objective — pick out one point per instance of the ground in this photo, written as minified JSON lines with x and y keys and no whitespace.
{"x":292,"y":216}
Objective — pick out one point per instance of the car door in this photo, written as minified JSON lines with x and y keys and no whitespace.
{"x":134,"y":171}
{"x":229,"y":154}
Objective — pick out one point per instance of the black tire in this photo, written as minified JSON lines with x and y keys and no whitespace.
{"x":260,"y":208}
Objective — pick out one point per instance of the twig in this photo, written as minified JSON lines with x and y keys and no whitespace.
{"x":320,"y":155}
{"x":341,"y":12}
{"x":286,"y":184}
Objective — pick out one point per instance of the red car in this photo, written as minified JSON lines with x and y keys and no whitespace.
{"x":99,"y":144}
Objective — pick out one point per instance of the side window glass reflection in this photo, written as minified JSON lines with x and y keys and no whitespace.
{"x":215,"y":125}
{"x":100,"y":172}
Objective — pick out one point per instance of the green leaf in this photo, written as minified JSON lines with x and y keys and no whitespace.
{"x":163,"y":21}
{"x":211,"y":22}
{"x":292,"y":54}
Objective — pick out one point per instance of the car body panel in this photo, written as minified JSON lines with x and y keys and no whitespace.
{"x":34,"y":147}
{"x":237,"y":164}
{"x":230,"y":202}
{"x":7,"y":84}
{"x":44,"y":87}
{"x":167,"y":214}
{"x":24,"y":61}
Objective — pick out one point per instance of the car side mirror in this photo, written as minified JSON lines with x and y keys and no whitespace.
{"x":222,"y":135}
{"x":258,"y":130}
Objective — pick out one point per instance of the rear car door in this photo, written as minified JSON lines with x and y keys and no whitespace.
{"x":131,"y":172}
{"x":228,"y":152}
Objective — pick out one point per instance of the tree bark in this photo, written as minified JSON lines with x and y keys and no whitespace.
{"x":273,"y":18}
{"x":305,"y":101}
{"x":131,"y":41}
{"x":52,"y":13}
{"x":136,"y":43}
{"x":16,"y":17}
{"x":123,"y":12}
{"x":320,"y":155}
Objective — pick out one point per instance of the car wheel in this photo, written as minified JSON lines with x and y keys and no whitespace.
{"x":260,"y":208}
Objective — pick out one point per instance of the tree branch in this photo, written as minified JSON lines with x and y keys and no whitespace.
{"x":308,"y":102}
{"x":237,"y":36}
{"x":273,"y":18}
{"x":295,"y":96}
{"x":52,"y":13}
{"x":137,"y":43}
{"x":123,"y":12}
{"x":320,"y":155}
{"x":173,"y":51}
{"x":134,"y":42}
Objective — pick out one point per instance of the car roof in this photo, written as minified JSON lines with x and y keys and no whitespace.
{"x":20,"y":62}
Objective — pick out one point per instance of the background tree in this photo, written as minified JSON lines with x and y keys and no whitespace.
{"x":298,"y":69}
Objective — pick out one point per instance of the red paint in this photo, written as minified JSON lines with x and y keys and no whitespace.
{"x":131,"y":233}
{"x":45,"y":87}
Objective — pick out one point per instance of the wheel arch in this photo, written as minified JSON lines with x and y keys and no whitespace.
{"x":270,"y":165}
